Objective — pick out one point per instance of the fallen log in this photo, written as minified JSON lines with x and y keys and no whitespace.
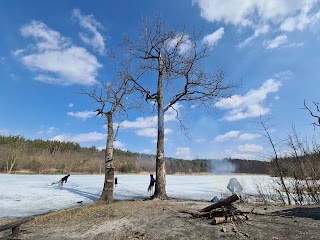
{"x":219,"y":220}
{"x":223,"y":202}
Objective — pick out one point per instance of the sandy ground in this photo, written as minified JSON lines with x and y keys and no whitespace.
{"x":168,"y":220}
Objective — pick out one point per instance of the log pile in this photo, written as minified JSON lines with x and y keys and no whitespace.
{"x":223,"y":211}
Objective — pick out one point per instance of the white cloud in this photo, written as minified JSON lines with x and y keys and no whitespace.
{"x":248,"y":136}
{"x":70,"y":105}
{"x":182,"y":42}
{"x":245,"y":12}
{"x":227,"y":136}
{"x":85,"y":137}
{"x":46,"y":38}
{"x":55,"y":59}
{"x":50,"y":130}
{"x":294,"y":45}
{"x":302,"y":20}
{"x":200,"y":140}
{"x":258,"y":31}
{"x":147,"y":126}
{"x":150,"y":132}
{"x":149,"y":122}
{"x":147,"y":132}
{"x":183,"y":152}
{"x":235,"y":135}
{"x":140,"y":122}
{"x":240,"y":155}
{"x":284,"y":75}
{"x":214,"y":37}
{"x":96,"y":40}
{"x":276,"y":42}
{"x":249,"y":105}
{"x":118,"y":144}
{"x":146,"y":151}
{"x":282,"y":15}
{"x":82,"y":115}
{"x":69,"y":66}
{"x":18,"y":52}
{"x":171,"y":114}
{"x":250,"y":148}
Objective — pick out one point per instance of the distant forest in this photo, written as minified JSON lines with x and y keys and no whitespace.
{"x":18,"y":154}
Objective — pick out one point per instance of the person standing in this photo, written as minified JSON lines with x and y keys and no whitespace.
{"x":115,"y":181}
{"x":151,"y":185}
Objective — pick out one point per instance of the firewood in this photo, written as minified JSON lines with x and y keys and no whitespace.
{"x":223,"y":202}
{"x":219,"y":220}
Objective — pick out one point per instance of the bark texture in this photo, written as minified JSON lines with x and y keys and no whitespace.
{"x":107,"y":192}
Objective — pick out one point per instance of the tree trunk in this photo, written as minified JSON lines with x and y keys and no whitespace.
{"x":160,"y":189}
{"x":107,"y":192}
{"x":11,"y":160}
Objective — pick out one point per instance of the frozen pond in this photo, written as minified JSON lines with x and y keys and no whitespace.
{"x":26,"y":195}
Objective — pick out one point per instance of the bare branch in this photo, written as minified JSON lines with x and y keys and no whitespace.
{"x":312,"y":114}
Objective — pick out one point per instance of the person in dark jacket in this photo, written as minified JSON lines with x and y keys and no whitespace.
{"x":152,"y":182}
{"x":62,"y":180}
{"x":115,"y":181}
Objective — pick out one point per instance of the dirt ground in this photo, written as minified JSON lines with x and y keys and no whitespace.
{"x":168,"y":220}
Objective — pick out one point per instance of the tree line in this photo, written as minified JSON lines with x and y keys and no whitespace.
{"x":18,"y":154}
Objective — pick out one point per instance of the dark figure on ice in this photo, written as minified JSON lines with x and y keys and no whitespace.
{"x":62,"y":180}
{"x":152,"y":182}
{"x":115,"y":181}
{"x":235,"y":187}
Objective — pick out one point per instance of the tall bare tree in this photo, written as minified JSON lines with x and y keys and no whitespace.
{"x":113,"y":100}
{"x":171,"y":65}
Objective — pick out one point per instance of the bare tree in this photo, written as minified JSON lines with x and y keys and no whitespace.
{"x":317,"y":121}
{"x":113,"y":100}
{"x":277,"y":161}
{"x":13,"y":154}
{"x":172,"y":69}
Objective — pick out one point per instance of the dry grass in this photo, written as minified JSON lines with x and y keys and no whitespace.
{"x":91,"y":212}
{"x":169,"y":219}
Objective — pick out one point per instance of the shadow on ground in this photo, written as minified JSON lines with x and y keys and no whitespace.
{"x":91,"y":196}
{"x":306,"y":212}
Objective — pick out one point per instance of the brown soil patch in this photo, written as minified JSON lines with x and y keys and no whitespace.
{"x":165,"y":220}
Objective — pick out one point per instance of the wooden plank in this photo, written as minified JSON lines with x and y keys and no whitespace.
{"x":16,"y":231}
{"x":15,"y":226}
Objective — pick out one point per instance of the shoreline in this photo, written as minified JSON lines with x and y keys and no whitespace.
{"x":139,"y":173}
{"x":171,"y":219}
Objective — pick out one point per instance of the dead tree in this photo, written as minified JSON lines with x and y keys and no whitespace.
{"x":113,"y":98}
{"x":171,"y":69}
{"x":317,"y":122}
{"x":276,"y":160}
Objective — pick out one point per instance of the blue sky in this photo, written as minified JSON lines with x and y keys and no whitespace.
{"x":50,"y":50}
